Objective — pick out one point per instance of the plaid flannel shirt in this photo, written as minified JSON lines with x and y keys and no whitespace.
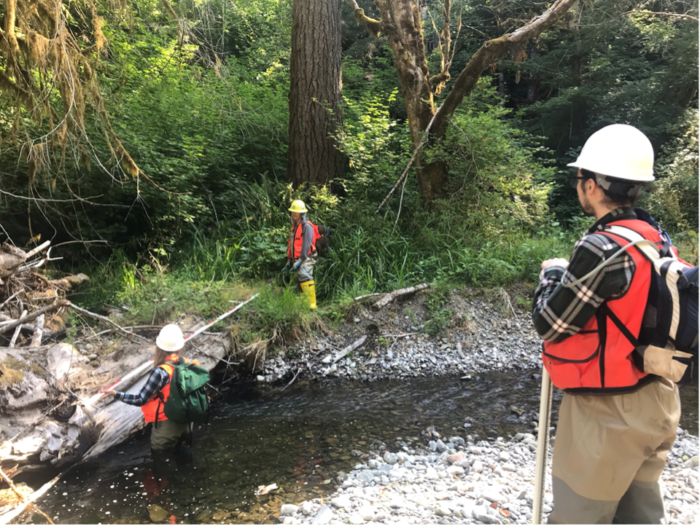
{"x":560,"y":312}
{"x":159,"y":378}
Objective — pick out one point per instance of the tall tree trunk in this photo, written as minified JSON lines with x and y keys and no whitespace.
{"x":315,"y":88}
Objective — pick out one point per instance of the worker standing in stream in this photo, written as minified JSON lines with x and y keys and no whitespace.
{"x":165,"y":434}
{"x":616,"y":423}
{"x":301,"y":250}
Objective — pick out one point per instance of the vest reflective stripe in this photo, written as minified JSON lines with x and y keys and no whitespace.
{"x":294,"y":251}
{"x":154,"y":407}
{"x":599,"y":359}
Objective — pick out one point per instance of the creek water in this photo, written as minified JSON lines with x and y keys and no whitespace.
{"x":299,"y":439}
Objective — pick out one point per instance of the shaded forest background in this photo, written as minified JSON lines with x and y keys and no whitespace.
{"x":197,"y":93}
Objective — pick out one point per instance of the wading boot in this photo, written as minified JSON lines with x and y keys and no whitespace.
{"x":310,"y":292}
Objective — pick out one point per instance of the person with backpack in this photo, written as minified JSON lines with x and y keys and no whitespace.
{"x":162,"y":399}
{"x":306,"y":240}
{"x":621,"y":408}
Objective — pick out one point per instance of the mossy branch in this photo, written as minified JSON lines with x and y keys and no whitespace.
{"x":372,"y":25}
{"x":491,"y":52}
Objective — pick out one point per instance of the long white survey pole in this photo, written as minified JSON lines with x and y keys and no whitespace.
{"x":145,"y":366}
{"x":542,"y":446}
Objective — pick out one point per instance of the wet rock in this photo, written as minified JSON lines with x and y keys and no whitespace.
{"x":156,"y":513}
{"x":307,"y":508}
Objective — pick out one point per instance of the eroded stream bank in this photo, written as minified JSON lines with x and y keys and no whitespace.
{"x":299,"y":439}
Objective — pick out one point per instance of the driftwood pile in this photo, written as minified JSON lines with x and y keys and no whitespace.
{"x":31,"y":305}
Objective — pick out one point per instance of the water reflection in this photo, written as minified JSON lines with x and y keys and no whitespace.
{"x":299,"y":439}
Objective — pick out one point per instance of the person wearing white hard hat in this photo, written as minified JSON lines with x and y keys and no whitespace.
{"x":616,"y":423}
{"x":165,"y":434}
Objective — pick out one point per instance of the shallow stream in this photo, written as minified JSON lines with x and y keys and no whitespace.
{"x":299,"y":439}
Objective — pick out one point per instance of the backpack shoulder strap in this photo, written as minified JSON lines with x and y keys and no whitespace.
{"x":648,"y":248}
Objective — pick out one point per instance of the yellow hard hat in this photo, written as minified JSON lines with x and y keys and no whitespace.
{"x":298,"y":206}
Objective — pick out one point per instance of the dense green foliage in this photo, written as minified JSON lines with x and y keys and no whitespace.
{"x":201,"y":106}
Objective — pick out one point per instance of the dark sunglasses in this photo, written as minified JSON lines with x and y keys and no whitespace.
{"x":574,"y":181}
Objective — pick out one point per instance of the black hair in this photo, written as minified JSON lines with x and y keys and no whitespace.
{"x":619,"y":192}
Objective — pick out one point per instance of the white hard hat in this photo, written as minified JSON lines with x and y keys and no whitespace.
{"x":170,"y":338}
{"x":619,"y":151}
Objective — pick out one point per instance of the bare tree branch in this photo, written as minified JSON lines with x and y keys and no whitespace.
{"x":492,"y":51}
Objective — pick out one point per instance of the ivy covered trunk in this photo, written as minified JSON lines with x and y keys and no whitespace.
{"x":314,"y":92}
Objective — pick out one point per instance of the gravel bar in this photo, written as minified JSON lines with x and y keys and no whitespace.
{"x":454,"y":481}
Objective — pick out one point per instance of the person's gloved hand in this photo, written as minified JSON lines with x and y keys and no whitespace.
{"x":296,"y":266}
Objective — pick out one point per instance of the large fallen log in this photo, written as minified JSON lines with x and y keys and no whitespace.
{"x":39,"y":433}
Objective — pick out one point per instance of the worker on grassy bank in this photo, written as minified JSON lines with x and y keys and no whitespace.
{"x":166,"y":434}
{"x":616,"y":422}
{"x":301,"y":250}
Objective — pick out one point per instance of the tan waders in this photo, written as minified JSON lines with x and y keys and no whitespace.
{"x":609,"y":453}
{"x":168,"y":434}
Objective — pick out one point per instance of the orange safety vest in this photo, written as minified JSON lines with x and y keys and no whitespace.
{"x":297,"y":232}
{"x":599,"y":359}
{"x":153,"y":410}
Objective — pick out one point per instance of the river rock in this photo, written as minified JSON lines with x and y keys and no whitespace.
{"x":307,"y":508}
{"x":324,"y":515}
{"x":366,"y":513}
{"x":692,"y":462}
{"x":342,"y":501}
{"x":443,"y":511}
{"x":288,"y":510}
{"x":455,"y":470}
{"x":492,"y":495}
{"x":456,"y":457}
{"x":481,"y":514}
{"x":156,"y":513}
{"x":440,"y":446}
{"x":431,"y":474}
{"x":390,"y":458}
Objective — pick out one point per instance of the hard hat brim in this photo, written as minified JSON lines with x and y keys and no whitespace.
{"x":648,"y":178}
{"x":164,"y":347}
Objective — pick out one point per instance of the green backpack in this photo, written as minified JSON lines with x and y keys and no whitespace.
{"x":188,"y":399}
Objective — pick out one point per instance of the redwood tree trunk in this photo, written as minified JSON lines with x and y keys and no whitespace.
{"x":315,"y":88}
